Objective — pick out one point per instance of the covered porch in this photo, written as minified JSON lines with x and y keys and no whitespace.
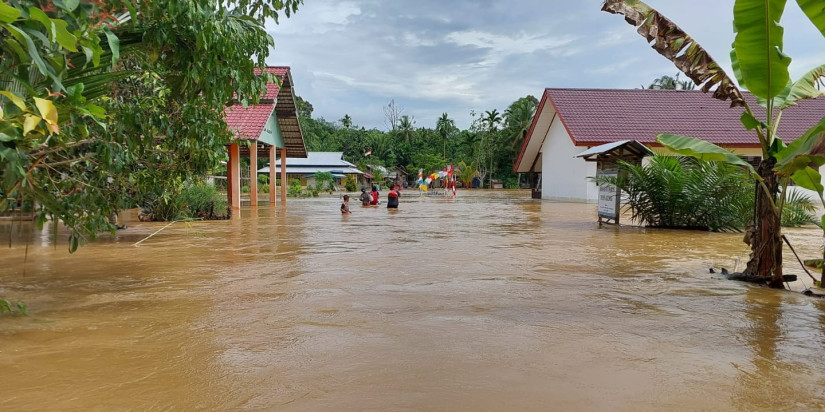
{"x":269,"y":128}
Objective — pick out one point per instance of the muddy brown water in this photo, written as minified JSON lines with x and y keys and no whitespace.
{"x":490,"y":301}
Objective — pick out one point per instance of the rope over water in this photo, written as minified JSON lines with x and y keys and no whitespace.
{"x":156,"y":232}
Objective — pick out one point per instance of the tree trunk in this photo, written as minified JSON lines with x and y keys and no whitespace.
{"x":766,"y":236}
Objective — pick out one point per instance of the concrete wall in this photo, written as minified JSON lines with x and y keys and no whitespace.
{"x":565,"y":177}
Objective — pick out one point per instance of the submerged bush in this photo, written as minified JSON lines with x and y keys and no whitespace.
{"x":295,"y":189}
{"x":203,"y":200}
{"x":798,"y":210}
{"x":688,"y":193}
{"x":679,"y":192}
{"x":195,"y":200}
{"x":351,"y":185}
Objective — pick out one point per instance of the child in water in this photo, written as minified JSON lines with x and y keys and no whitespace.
{"x":345,"y":205}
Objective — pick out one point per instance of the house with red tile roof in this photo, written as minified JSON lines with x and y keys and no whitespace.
{"x":570,"y":121}
{"x":268,"y":128}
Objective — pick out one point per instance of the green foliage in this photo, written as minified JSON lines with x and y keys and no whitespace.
{"x":244,"y":189}
{"x":263,"y":179}
{"x":799,"y":210}
{"x":351,"y":185}
{"x":140,"y":100}
{"x":680,"y":192}
{"x":295,"y":189}
{"x":700,"y":149}
{"x":265,"y":188}
{"x":377,"y":175}
{"x":202,"y":200}
{"x":18,"y":308}
{"x":762,"y":67}
{"x":466,"y":173}
{"x":324,"y":181}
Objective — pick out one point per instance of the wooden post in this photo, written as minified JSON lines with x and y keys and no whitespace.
{"x":235,"y":177}
{"x":273,"y":176}
{"x":229,"y":179}
{"x":283,"y":176}
{"x":253,"y":174}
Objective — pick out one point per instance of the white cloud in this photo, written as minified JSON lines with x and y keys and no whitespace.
{"x":435,"y":56}
{"x":319,"y":18}
{"x":522,"y":43}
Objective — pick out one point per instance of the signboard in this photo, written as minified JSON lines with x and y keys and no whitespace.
{"x":609,"y":198}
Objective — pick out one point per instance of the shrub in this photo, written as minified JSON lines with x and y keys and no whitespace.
{"x":351,"y":185}
{"x":511,"y":183}
{"x":295,"y":189}
{"x":202,"y":200}
{"x":324,"y":181}
{"x":678,"y":192}
{"x":798,"y":210}
{"x":245,"y":189}
{"x":263,"y":179}
{"x":265,"y":188}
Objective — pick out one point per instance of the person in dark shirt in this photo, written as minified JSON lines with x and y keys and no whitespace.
{"x":365,"y":198}
{"x":392,"y":198}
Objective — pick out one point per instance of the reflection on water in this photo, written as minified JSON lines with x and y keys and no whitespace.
{"x":490,"y":301}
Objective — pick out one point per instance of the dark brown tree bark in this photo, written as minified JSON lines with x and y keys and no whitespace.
{"x":766,"y":236}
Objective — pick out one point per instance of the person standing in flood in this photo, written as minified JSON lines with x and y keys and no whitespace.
{"x":365,"y":198}
{"x":374,"y":195}
{"x":392,"y":197}
{"x":345,"y":206}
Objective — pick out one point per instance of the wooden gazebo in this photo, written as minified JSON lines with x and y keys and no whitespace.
{"x":269,"y":128}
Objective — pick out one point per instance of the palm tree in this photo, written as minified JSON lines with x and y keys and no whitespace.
{"x":406,"y":127}
{"x":517,"y":119}
{"x":466,"y":173}
{"x":671,"y":83}
{"x":491,"y":119}
{"x":346,"y":121}
{"x":445,"y":127}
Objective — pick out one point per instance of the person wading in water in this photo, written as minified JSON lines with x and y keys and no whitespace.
{"x":392,"y":197}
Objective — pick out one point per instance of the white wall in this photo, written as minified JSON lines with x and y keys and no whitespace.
{"x":563,"y":176}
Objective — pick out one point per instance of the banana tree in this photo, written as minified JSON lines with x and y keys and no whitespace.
{"x":762,"y":68}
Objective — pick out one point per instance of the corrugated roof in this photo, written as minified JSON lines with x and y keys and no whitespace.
{"x":607,"y":147}
{"x":294,"y":170}
{"x":331,"y":159}
{"x":249,"y":122}
{"x":598,"y":116}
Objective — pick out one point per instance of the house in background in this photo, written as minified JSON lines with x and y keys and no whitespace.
{"x":570,"y":121}
{"x":269,"y":128}
{"x":305,"y":168}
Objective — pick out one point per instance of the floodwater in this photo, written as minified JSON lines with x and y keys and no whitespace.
{"x":488,"y":302}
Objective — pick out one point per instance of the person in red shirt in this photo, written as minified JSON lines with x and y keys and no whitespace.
{"x":374,"y":195}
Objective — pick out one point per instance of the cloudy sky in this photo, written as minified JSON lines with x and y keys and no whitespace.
{"x":457,"y":56}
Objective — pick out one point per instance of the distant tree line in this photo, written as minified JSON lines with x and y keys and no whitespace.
{"x":489,"y":146}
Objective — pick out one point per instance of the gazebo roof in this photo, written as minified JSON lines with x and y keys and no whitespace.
{"x":618,"y":150}
{"x":248,"y":123}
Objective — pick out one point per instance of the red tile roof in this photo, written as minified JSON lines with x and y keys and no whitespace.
{"x":597,"y":116}
{"x":272,"y":88}
{"x":248,"y":123}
